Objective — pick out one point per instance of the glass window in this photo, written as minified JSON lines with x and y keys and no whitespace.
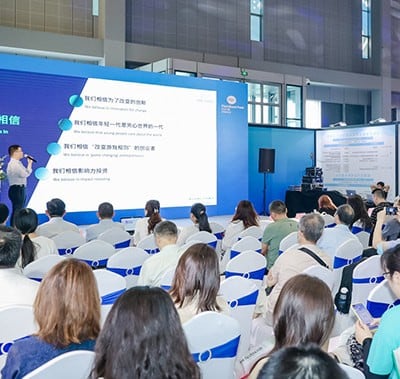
{"x":264,"y":103}
{"x":256,"y":20}
{"x":254,"y":92}
{"x":184,"y":73}
{"x":271,"y":115}
{"x":294,"y":105}
{"x":366,"y":33}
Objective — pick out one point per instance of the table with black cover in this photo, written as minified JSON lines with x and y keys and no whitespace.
{"x":307,"y":201}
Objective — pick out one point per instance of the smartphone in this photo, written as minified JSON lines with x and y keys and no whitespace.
{"x":391,"y":211}
{"x":363,"y":315}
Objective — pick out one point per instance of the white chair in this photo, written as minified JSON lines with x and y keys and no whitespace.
{"x":95,"y":253}
{"x":352,"y":373}
{"x":246,"y":243}
{"x":363,"y":237}
{"x":322,"y":273}
{"x":128,"y":262}
{"x":16,"y":322}
{"x":253,"y":231}
{"x":380,"y":299}
{"x":110,"y":286}
{"x":366,"y":275}
{"x":148,"y":243}
{"x":166,"y":279}
{"x":117,"y":237}
{"x":204,"y":237}
{"x":213,"y":340}
{"x":265,"y":222}
{"x":219,"y":231}
{"x":348,"y":252}
{"x":287,"y":242}
{"x":329,"y":220}
{"x":37,"y":269}
{"x":67,"y":242}
{"x":186,"y":245}
{"x":248,"y":264}
{"x":241,"y":295}
{"x":74,"y":364}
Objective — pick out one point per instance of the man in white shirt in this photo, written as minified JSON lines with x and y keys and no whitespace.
{"x":15,"y":288}
{"x":166,"y":235}
{"x":56,"y":224}
{"x":105,"y":214}
{"x":332,"y":238}
{"x":17,"y":175}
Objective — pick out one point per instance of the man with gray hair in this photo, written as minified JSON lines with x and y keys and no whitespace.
{"x":15,"y":288}
{"x":295,"y":260}
{"x":332,"y":238}
{"x":153,"y":269}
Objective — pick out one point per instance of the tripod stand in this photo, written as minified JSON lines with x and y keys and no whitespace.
{"x":264,"y":212}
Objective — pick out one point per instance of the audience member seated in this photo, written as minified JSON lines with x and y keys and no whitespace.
{"x":332,"y":238}
{"x":301,"y":362}
{"x":276,"y":231}
{"x":142,"y":337}
{"x":33,"y":246}
{"x":380,"y":202}
{"x":379,"y":242}
{"x":361,"y":220}
{"x":4,"y":213}
{"x":391,"y":230}
{"x":196,"y":283}
{"x":304,"y":312}
{"x":379,"y":361}
{"x":296,"y":260}
{"x":382,"y":186}
{"x":198,"y":215}
{"x":105,"y":214}
{"x":146,"y":225}
{"x":15,"y":288}
{"x":55,"y":210}
{"x":166,"y":235}
{"x":244,"y":217}
{"x":67,"y":311}
{"x":326,"y":205}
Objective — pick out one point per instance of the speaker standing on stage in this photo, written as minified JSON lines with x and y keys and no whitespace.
{"x":17,"y":175}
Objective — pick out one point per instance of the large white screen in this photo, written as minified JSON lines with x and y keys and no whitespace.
{"x":131,"y":142}
{"x":354,"y":158}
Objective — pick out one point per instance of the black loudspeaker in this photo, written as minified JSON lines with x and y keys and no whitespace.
{"x":266,"y":160}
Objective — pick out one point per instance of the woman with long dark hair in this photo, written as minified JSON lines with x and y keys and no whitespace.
{"x":143,"y":338}
{"x":146,"y":225}
{"x":198,"y":215}
{"x":33,"y":246}
{"x":361,"y":219}
{"x":196,"y":283}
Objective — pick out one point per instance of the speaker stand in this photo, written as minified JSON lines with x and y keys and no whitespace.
{"x":264,"y":212}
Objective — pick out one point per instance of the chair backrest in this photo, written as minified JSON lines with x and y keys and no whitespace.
{"x":322,"y":273}
{"x":366,"y":275}
{"x":217,"y":229}
{"x":16,"y":322}
{"x":289,"y":241}
{"x":74,"y":364}
{"x":110,"y":286}
{"x":380,"y":299}
{"x":348,"y":252}
{"x":363,"y":237}
{"x":128,"y":262}
{"x":246,"y":243}
{"x":166,"y":279}
{"x":265,"y":222}
{"x":148,"y":243}
{"x":37,"y":269}
{"x":253,"y":231}
{"x":352,"y":373}
{"x":329,"y":220}
{"x":67,"y":242}
{"x":117,"y":237}
{"x":95,"y":253}
{"x":248,"y":264}
{"x":241,"y":295}
{"x":213,"y":340}
{"x":204,"y":237}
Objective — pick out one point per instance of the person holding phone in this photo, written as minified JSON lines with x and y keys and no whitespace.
{"x":383,"y":217}
{"x":379,"y":361}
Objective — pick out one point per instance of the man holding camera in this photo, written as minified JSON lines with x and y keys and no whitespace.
{"x":384,"y":216}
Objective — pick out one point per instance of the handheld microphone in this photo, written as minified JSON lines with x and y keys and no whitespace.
{"x":29,"y":157}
